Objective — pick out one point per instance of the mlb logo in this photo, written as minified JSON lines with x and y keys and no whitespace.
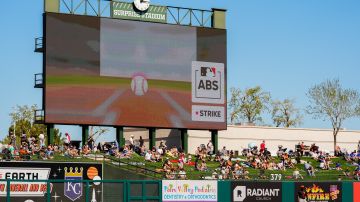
{"x":208,"y":82}
{"x":208,"y":71}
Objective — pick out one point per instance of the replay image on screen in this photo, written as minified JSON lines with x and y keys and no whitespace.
{"x":115,"y":72}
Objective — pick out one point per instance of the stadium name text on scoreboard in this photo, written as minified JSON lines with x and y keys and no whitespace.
{"x":126,"y":11}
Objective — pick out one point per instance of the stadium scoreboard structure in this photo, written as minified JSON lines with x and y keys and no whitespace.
{"x":123,"y":64}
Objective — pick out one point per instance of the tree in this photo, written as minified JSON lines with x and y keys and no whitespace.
{"x":22,"y":122}
{"x":285,"y":114}
{"x":248,"y":104}
{"x":96,"y":132}
{"x":234,"y":104}
{"x":329,"y":100}
{"x":58,"y":139}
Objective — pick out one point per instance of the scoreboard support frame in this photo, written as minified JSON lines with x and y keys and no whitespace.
{"x":120,"y":136}
{"x":50,"y":133}
{"x":84,"y":134}
{"x":152,"y":138}
{"x":184,"y":140}
{"x":215,"y":139}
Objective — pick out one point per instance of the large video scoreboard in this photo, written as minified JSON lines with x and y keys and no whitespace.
{"x":112,"y":72}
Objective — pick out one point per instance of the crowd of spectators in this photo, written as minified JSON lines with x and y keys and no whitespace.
{"x":174,"y":161}
{"x":27,"y":148}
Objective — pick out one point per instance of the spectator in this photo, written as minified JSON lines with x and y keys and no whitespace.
{"x":67,"y":139}
{"x":297,"y":175}
{"x":23,"y":153}
{"x":141,"y":141}
{"x":309,"y":169}
{"x":210,"y":148}
{"x":182,"y":174}
{"x":12,"y":139}
{"x":49,"y":153}
{"x":338,"y":151}
{"x":42,"y":140}
{"x":224,"y":151}
{"x":347,"y":172}
{"x":86,"y":150}
{"x":148,"y":156}
{"x":163,"y":146}
{"x":23,"y":139}
{"x":131,"y":140}
{"x":6,"y":152}
{"x":11,"y":150}
{"x":203,"y":166}
{"x":262,"y":146}
{"x":338,"y":166}
{"x":91,"y":143}
{"x":357,"y":174}
{"x":302,"y":148}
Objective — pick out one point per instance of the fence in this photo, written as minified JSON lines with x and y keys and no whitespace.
{"x":152,"y":190}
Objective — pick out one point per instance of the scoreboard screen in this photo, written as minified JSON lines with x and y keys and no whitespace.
{"x":112,"y":72}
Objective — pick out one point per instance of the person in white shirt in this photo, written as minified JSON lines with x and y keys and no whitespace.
{"x":182,"y":174}
{"x":131,"y":140}
{"x":42,"y":140}
{"x":148,"y":156}
{"x":210,"y":148}
{"x":297,"y":175}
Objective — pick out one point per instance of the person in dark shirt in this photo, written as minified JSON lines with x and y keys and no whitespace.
{"x":141,"y":141}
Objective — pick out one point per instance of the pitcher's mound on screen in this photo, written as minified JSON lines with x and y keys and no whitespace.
{"x":139,"y":84}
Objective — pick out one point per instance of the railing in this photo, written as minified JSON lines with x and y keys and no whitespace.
{"x":143,"y":167}
{"x":39,"y":116}
{"x":38,"y":78}
{"x":102,"y":8}
{"x":191,"y":17}
{"x":134,"y":166}
{"x":39,"y":45}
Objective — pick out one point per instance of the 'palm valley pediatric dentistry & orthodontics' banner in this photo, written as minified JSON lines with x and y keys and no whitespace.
{"x":189,"y":190}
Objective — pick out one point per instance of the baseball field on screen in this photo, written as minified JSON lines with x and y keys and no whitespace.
{"x":90,"y":68}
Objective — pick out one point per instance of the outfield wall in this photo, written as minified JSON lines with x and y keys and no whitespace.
{"x":238,"y":137}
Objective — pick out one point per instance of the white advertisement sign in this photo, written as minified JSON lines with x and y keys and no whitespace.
{"x":189,"y":190}
{"x":24,"y":188}
{"x":208,"y":113}
{"x":208,"y":82}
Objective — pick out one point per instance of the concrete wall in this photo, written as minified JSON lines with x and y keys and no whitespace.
{"x":238,"y":137}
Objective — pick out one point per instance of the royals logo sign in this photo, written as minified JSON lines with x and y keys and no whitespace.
{"x":73,"y":189}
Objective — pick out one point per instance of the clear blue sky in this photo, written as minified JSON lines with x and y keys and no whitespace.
{"x":285,"y":46}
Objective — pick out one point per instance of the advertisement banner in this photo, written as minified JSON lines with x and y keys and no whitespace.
{"x":318,"y":192}
{"x":62,"y":191}
{"x":126,"y":11}
{"x":256,"y":191}
{"x":189,"y":190}
{"x":356,"y":191}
